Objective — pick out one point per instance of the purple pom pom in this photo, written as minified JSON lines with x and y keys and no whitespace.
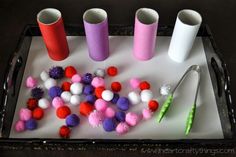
{"x":87,"y":78}
{"x":56,"y":72}
{"x":37,"y":92}
{"x":123,"y":103}
{"x":88,"y":89}
{"x":120,"y":116}
{"x":109,"y":124}
{"x":31,"y":124}
{"x":72,"y":120}
{"x":91,"y":98}
{"x":115,"y":98}
{"x":55,"y":91}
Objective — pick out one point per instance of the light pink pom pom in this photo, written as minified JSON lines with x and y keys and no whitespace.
{"x":20,"y":126}
{"x":25,"y":114}
{"x":95,"y":118}
{"x":147,"y":114}
{"x":31,"y":82}
{"x":76,"y":78}
{"x":132,"y":118}
{"x":57,"y":102}
{"x":122,"y":128}
{"x":100,"y":105}
{"x":98,"y":82}
{"x":110,"y":112}
{"x":134,"y":83}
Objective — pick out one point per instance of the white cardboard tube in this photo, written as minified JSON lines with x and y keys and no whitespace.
{"x":186,"y":27}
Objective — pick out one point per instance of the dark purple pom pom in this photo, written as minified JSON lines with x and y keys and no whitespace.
{"x":109,"y":124}
{"x":37,"y":92}
{"x":87,"y":78}
{"x":123,"y":103}
{"x":72,"y":120}
{"x":120,"y":116}
{"x":55,"y":91}
{"x":88,"y":89}
{"x":56,"y":72}
{"x":115,"y":98}
{"x":91,"y":98}
{"x":31,"y":124}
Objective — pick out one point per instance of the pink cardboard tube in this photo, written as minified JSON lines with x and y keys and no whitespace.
{"x":145,"y":30}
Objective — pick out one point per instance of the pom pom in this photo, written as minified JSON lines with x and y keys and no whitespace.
{"x":56,"y":72}
{"x":44,"y":76}
{"x":109,"y":124}
{"x":49,"y":83}
{"x":147,"y":113}
{"x":75,"y":100}
{"x":57,"y":102}
{"x":20,"y":126}
{"x":88,"y":89}
{"x":76,"y":78}
{"x":153,"y":105}
{"x":112,"y":71}
{"x":76,"y":88}
{"x":116,"y":86}
{"x":66,"y":96}
{"x":146,"y":95}
{"x":66,"y":86}
{"x":70,"y":71}
{"x":100,"y":105}
{"x":38,"y":113}
{"x":115,"y":98}
{"x":165,"y":89}
{"x":144,"y":85}
{"x":85,"y":108}
{"x":107,"y":95}
{"x":37,"y":92}
{"x":72,"y":120}
{"x":31,"y":124}
{"x":110,"y":112}
{"x":32,"y":103}
{"x":98,"y":91}
{"x":134,"y":83}
{"x":100,"y":72}
{"x":122,"y":128}
{"x":25,"y":114}
{"x":43,"y":103}
{"x":120,"y":116}
{"x":63,"y":111}
{"x":91,"y":99}
{"x":55,"y":91}
{"x":134,"y":98}
{"x":95,"y":118}
{"x":64,"y":132}
{"x":123,"y":103}
{"x":132,"y":118}
{"x":97,"y":82}
{"x":31,"y":82}
{"x":87,"y":78}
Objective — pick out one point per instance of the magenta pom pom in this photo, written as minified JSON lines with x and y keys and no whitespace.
{"x":57,"y":102}
{"x":122,"y":128}
{"x":100,"y":105}
{"x":76,"y":78}
{"x":31,"y":82}
{"x":134,"y":83}
{"x":110,"y":112}
{"x":25,"y":114}
{"x":95,"y":118}
{"x":147,"y":114}
{"x":98,"y":82}
{"x":20,"y":126}
{"x":132,"y":118}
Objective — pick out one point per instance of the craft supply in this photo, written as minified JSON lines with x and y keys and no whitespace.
{"x":20,"y":126}
{"x":165,"y":89}
{"x":134,"y":83}
{"x":66,"y":86}
{"x":99,"y":91}
{"x":75,"y":100}
{"x":123,"y":103}
{"x":64,"y":131}
{"x":31,"y":82}
{"x":72,"y":120}
{"x":120,"y":116}
{"x":88,"y":89}
{"x":132,"y":118}
{"x":70,"y":71}
{"x":44,"y":103}
{"x":153,"y":105}
{"x":76,"y":78}
{"x":100,"y":72}
{"x":134,"y":97}
{"x":85,"y":108}
{"x":44,"y":76}
{"x":115,"y":98}
{"x":110,"y":112}
{"x":146,"y":95}
{"x":87,"y":78}
{"x":32,"y":103}
{"x":112,"y":71}
{"x":57,"y":102}
{"x":49,"y":83}
{"x":38,"y":113}
{"x":76,"y":88}
{"x":144,"y":85}
{"x":107,"y":95}
{"x":25,"y":114}
{"x":31,"y":124}
{"x":66,"y":96}
{"x":109,"y":124}
{"x":37,"y":92}
{"x":122,"y":128}
{"x":56,"y":72}
{"x":147,"y":113}
{"x":116,"y":86}
{"x":54,"y":92}
{"x":97,"y":82}
{"x":62,"y":112}
{"x":91,"y":98}
{"x":100,"y":105}
{"x":95,"y":118}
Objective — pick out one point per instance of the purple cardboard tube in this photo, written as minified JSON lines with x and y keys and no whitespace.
{"x":96,"y":30}
{"x":145,"y":30}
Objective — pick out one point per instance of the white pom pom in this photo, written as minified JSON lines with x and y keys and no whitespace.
{"x":44,"y":76}
{"x":146,"y":95}
{"x":134,"y":98}
{"x":76,"y":88}
{"x":75,"y":100}
{"x":50,"y":83}
{"x":99,"y":72}
{"x":107,"y":95}
{"x":43,"y":103}
{"x":165,"y":89}
{"x":66,"y":96}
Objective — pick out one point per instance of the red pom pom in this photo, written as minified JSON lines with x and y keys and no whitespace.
{"x":112,"y":71}
{"x":70,"y":71}
{"x":32,"y":103}
{"x":66,"y":86}
{"x":153,"y":105}
{"x":85,"y":108}
{"x":63,"y":111}
{"x":144,"y":85}
{"x":98,"y":91}
{"x":38,"y":113}
{"x":116,"y":86}
{"x":64,"y":131}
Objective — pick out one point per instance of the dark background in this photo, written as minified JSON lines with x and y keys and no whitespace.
{"x":220,"y":15}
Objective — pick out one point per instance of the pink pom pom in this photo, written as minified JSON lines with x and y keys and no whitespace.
{"x":134,"y":83}
{"x":25,"y":114}
{"x":147,"y":114}
{"x":110,"y":112}
{"x":20,"y":126}
{"x":31,"y":82}
{"x":57,"y":102}
{"x":122,"y":128}
{"x":100,"y":105}
{"x":98,"y":82}
{"x":95,"y":118}
{"x":132,"y":118}
{"x":76,"y":78}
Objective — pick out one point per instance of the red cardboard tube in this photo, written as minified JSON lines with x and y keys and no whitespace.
{"x":52,"y":28}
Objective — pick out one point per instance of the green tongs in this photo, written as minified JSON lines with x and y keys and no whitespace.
{"x":170,"y":97}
